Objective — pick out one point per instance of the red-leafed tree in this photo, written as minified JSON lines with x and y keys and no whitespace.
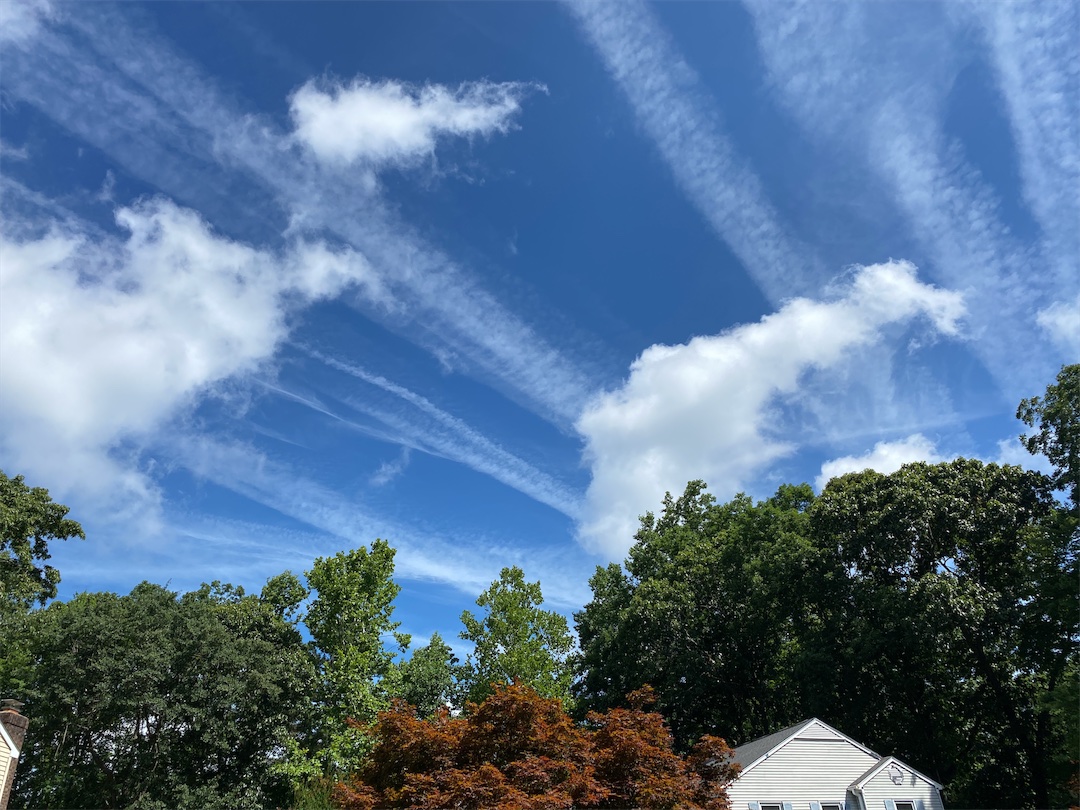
{"x":520,"y":751}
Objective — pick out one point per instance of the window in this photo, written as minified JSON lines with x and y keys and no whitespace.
{"x":832,"y":806}
{"x":906,"y":806}
{"x":770,"y":807}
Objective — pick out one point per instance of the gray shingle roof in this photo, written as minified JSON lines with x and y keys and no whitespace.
{"x":750,"y":752}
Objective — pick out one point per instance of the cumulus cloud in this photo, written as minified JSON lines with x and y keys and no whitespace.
{"x":886,"y":457}
{"x":102,"y":340}
{"x":701,"y":409}
{"x":1061,"y":321}
{"x":390,"y":122}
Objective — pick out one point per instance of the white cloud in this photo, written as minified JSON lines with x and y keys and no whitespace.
{"x":393,"y":122}
{"x":1062,"y":322}
{"x":700,"y":409}
{"x":668,"y":99}
{"x":886,"y":457}
{"x":103,"y":340}
{"x":389,"y":470}
{"x":170,"y":125}
{"x":20,"y":20}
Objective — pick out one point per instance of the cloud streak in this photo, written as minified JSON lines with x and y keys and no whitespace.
{"x":884,"y":103}
{"x":675,"y":112}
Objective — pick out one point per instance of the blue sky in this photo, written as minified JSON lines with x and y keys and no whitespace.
{"x":486,"y":279}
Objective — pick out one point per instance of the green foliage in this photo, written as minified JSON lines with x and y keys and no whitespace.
{"x":517,"y":641}
{"x":714,"y":600}
{"x":429,"y":680}
{"x":154,"y":700}
{"x":29,"y":521}
{"x":1056,"y":416}
{"x":348,"y":619}
{"x":930,"y":613}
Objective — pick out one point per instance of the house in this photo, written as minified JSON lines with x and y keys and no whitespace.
{"x":812,"y":766}
{"x":13,"y":727}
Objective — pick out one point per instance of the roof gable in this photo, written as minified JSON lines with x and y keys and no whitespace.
{"x":756,"y":751}
{"x":885,"y":762}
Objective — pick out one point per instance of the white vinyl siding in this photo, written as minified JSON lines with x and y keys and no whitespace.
{"x":880,"y":793}
{"x":818,"y":769}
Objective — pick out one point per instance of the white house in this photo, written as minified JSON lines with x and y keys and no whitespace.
{"x":812,"y":766}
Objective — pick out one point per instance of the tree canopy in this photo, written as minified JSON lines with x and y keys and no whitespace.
{"x":1056,"y":418}
{"x":517,"y":640}
{"x":159,"y":700}
{"x":29,"y":521}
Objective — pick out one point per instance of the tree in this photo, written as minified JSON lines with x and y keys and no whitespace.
{"x":520,"y":751}
{"x":930,"y":613}
{"x":155,"y":700}
{"x":715,"y":601}
{"x":348,"y":620}
{"x":965,"y":572}
{"x":1057,"y":418}
{"x":517,"y":641}
{"x":429,"y":680}
{"x":29,"y":521}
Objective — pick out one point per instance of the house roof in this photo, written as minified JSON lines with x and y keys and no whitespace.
{"x":749,"y":754}
{"x":884,"y":762}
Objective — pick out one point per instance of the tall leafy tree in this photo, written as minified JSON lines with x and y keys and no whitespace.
{"x":1056,"y":419}
{"x":961,"y":623}
{"x":517,"y":640}
{"x":430,"y":679}
{"x":714,"y":600}
{"x":348,"y":618}
{"x":155,"y":700}
{"x":29,"y":521}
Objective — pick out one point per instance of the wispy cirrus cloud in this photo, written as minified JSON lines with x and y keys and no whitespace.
{"x":160,"y":117}
{"x":469,"y":564}
{"x":677,"y":114}
{"x":391,"y":122}
{"x":702,"y":409}
{"x":444,"y":434}
{"x":1037,"y":62}
{"x":884,"y":103}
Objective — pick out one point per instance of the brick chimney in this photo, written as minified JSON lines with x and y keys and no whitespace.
{"x":15,"y":724}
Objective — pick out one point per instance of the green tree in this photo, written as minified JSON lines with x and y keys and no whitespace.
{"x":516,"y":640}
{"x":429,"y":679}
{"x":29,"y":521}
{"x":715,"y":601}
{"x":155,"y":700}
{"x":348,"y":619}
{"x":960,"y":623}
{"x":1056,"y":417}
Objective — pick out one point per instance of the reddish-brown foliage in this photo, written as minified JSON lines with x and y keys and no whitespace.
{"x":519,"y":751}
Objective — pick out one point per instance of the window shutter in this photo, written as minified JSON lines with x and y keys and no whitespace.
{"x":815,"y":805}
{"x":755,"y":806}
{"x":890,"y":804}
{"x":787,"y":805}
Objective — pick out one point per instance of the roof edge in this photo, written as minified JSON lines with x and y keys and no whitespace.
{"x":884,"y":762}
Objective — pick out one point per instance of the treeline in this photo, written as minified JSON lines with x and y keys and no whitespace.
{"x":931,"y":614}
